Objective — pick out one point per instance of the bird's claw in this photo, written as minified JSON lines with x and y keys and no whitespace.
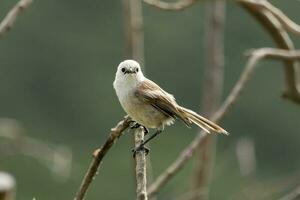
{"x":137,"y":125}
{"x":139,"y":149}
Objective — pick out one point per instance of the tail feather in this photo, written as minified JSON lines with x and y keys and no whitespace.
{"x":202,"y":122}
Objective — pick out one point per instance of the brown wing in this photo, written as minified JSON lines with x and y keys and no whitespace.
{"x":151,"y":93}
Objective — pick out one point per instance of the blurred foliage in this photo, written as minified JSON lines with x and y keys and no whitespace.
{"x":57,"y":66}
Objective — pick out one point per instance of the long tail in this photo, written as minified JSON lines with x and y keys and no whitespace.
{"x":200,"y":121}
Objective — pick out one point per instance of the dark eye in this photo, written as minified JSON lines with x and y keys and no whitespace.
{"x":137,"y":69}
{"x":123,"y":69}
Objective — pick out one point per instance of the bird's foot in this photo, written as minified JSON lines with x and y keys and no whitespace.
{"x":134,"y":125}
{"x":139,"y":149}
{"x":137,"y":125}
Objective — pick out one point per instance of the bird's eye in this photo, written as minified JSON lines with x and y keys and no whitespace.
{"x":137,"y":69}
{"x":123,"y":69}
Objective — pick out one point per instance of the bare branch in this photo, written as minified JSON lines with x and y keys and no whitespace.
{"x":140,"y":167}
{"x":186,"y":154}
{"x":99,"y":154}
{"x":174,"y":6}
{"x":288,"y":24}
{"x":277,"y":54}
{"x":9,"y":20}
{"x":283,"y":41}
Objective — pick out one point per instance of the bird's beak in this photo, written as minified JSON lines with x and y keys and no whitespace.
{"x":130,"y":70}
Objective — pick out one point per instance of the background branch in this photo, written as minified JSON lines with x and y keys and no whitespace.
{"x":57,"y":158}
{"x":288,"y":24}
{"x":134,"y":35}
{"x":99,"y":154}
{"x":212,"y":92}
{"x":282,"y":40}
{"x":9,"y":20}
{"x":174,"y":6}
{"x":294,"y":195}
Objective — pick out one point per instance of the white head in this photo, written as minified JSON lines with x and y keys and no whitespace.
{"x":129,"y":72}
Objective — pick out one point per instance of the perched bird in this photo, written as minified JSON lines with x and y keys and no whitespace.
{"x":150,"y":106}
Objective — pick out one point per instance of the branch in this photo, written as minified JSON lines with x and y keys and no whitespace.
{"x":283,"y":41}
{"x":134,"y":33}
{"x":231,"y":99}
{"x":140,"y":167}
{"x":288,"y":24}
{"x":175,"y":6}
{"x":9,"y":20}
{"x":99,"y":154}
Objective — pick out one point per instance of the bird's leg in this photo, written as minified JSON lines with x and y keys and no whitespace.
{"x":142,"y":145}
{"x":137,"y":125}
{"x":146,"y":131}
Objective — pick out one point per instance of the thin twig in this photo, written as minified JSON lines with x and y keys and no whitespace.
{"x":231,"y":99}
{"x":99,"y":154}
{"x":174,"y":6}
{"x":9,"y":20}
{"x":212,"y":92}
{"x":140,"y":167}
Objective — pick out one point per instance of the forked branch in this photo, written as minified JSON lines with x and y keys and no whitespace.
{"x":281,"y":38}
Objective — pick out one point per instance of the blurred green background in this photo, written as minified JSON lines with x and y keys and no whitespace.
{"x":57,"y":66}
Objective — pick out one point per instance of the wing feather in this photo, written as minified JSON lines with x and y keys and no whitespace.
{"x":150,"y":93}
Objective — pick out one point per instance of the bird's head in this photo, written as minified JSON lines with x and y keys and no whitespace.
{"x":129,"y":71}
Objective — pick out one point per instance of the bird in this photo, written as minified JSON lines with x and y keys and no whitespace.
{"x":150,"y":106}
